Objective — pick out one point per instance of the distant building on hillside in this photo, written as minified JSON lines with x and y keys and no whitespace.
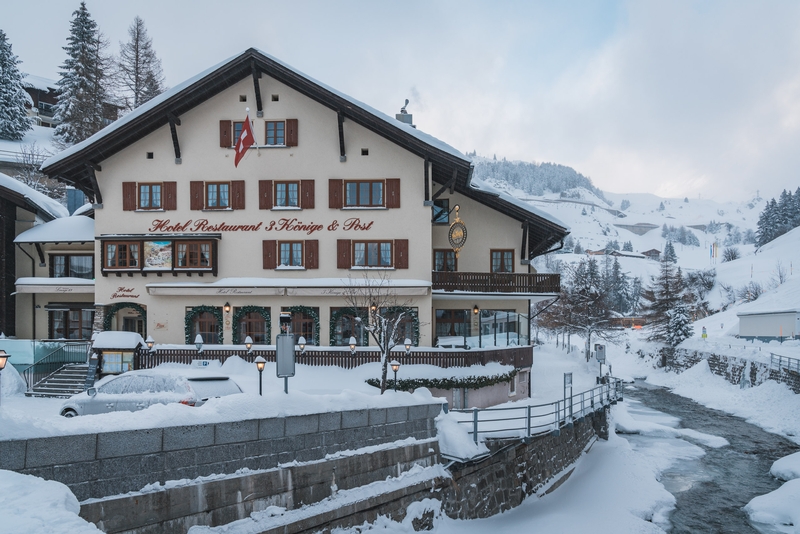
{"x":652,"y":254}
{"x":638,"y":228}
{"x":769,"y":325}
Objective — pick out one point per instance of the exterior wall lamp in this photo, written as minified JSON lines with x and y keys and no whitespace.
{"x":248,"y":343}
{"x":198,"y":342}
{"x":373,"y":308}
{"x":476,"y":309}
{"x":227,"y":307}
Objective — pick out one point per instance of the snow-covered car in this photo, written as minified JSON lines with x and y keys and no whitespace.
{"x":136,"y":390}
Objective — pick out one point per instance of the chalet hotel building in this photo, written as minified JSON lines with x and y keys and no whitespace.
{"x":332,"y":193}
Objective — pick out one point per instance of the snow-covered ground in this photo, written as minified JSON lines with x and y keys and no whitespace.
{"x":614,"y":488}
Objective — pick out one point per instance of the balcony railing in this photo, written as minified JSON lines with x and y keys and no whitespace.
{"x":496,"y":282}
{"x":518,"y":356}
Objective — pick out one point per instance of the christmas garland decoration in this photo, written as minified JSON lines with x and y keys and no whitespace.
{"x":114,"y":308}
{"x":311,"y":313}
{"x":411,"y":312}
{"x":351,"y":312}
{"x":244,"y":310}
{"x":188,"y":322}
{"x":469,"y":382}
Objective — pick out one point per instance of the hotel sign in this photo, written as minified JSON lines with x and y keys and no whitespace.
{"x":284,"y":224}
{"x":457,"y":234}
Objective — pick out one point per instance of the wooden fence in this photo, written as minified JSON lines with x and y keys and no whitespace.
{"x":518,"y":356}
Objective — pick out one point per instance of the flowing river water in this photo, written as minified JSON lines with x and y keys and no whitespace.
{"x":712,"y":488}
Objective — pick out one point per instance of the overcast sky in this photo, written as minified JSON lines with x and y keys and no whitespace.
{"x":672,"y":98}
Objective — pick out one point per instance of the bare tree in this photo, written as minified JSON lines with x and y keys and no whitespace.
{"x":730,"y":254}
{"x":387,"y":316}
{"x":29,"y":160}
{"x":779,"y":275}
{"x":139,"y":69}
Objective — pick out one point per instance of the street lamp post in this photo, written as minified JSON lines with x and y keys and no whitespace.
{"x":3,"y":359}
{"x":150,"y":342}
{"x":198,"y":342}
{"x":260,"y":362}
{"x":353,"y":344}
{"x":395,"y":367}
{"x":248,"y":344}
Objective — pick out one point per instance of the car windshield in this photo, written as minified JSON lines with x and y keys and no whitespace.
{"x":206,"y":388}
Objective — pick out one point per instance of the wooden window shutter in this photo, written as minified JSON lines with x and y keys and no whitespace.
{"x":128,"y":196}
{"x":291,"y":132}
{"x":335,"y":188}
{"x":270,"y":254}
{"x":343,"y":254}
{"x":265,"y":194}
{"x":401,"y":253}
{"x":170,"y":195}
{"x":307,"y":194}
{"x":392,"y":192}
{"x":197,"y":192}
{"x":237,"y":194}
{"x":312,"y":254}
{"x":225,"y":133}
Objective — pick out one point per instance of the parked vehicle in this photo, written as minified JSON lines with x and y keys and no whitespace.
{"x":137,"y":390}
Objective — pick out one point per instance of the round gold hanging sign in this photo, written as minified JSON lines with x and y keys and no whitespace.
{"x":457,"y":234}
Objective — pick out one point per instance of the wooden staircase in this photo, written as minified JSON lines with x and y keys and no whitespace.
{"x":69,"y":380}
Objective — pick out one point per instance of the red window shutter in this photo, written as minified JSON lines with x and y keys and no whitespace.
{"x":291,"y":132}
{"x":225,"y":133}
{"x":128,"y":196}
{"x":265,"y":194}
{"x":270,"y":253}
{"x":237,"y":194}
{"x":307,"y":194}
{"x":312,"y":254}
{"x":392,"y":192}
{"x":343,"y":254}
{"x":197,"y":191}
{"x":401,"y":253}
{"x":335,"y":188}
{"x":170,"y":195}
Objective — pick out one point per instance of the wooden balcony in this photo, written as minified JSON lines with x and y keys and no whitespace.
{"x":518,"y":356}
{"x":496,"y":282}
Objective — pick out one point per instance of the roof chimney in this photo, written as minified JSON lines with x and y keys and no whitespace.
{"x":405,"y":116}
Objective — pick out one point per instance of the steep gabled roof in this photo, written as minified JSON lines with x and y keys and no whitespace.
{"x":27,"y":198}
{"x":76,"y":164}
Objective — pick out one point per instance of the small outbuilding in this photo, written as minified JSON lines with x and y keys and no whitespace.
{"x":769,"y":325}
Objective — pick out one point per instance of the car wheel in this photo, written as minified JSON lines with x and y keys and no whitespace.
{"x":69,"y":413}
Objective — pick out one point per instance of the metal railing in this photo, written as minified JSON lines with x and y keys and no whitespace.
{"x":496,"y":282}
{"x":519,"y":356}
{"x":77,"y":352}
{"x":776,"y":361}
{"x":533,"y":420}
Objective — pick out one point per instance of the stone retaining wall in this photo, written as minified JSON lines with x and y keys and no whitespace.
{"x":730,"y":367}
{"x":516,"y":469}
{"x":111,"y":463}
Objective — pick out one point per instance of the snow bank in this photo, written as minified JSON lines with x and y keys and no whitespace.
{"x":454,"y":439}
{"x":626,"y":424}
{"x":779,"y":507}
{"x":786,"y":468}
{"x":32,"y":504}
{"x":11,"y":383}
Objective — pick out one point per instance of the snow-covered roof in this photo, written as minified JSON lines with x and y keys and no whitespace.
{"x":86,"y":208}
{"x":480,"y":185}
{"x":766,"y":312}
{"x":149,"y":105}
{"x":39,"y":82}
{"x":37,"y":200}
{"x":63,"y":281}
{"x":11,"y":151}
{"x":75,"y":229}
{"x":117,"y":340}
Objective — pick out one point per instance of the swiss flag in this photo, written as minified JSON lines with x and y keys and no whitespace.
{"x":244,"y":142}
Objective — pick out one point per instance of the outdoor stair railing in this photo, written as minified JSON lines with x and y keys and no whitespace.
{"x":776,"y":361}
{"x":68,"y":353}
{"x":531,"y":420}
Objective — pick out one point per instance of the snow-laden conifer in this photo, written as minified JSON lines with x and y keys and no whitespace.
{"x":679,"y":325}
{"x":14,"y":121}
{"x":82,"y":91}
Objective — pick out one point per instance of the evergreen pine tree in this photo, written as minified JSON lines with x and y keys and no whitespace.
{"x":679,"y":325}
{"x":627,"y":246}
{"x":660,"y":298}
{"x":81,"y":89}
{"x":14,"y":121}
{"x":669,"y":253}
{"x":139,"y":68}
